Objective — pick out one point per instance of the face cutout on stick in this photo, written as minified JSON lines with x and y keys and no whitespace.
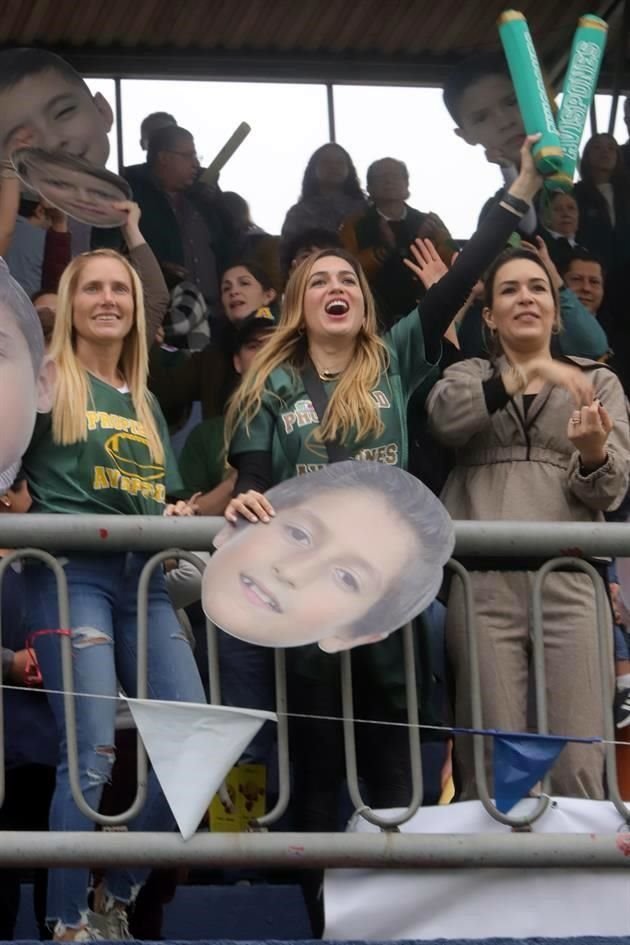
{"x":354,"y":551}
{"x":73,"y":185}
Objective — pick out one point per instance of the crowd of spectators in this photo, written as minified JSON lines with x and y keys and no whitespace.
{"x":496,"y":371}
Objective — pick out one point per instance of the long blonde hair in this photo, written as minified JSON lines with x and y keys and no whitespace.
{"x":351,"y":410}
{"x":72,"y":390}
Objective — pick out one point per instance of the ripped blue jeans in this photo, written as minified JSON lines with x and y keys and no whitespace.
{"x":103,"y":621}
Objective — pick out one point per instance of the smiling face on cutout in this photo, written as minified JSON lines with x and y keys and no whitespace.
{"x":489,"y":115}
{"x":59,"y":114}
{"x":334,"y":305}
{"x":309,"y":574}
{"x":73,"y":186}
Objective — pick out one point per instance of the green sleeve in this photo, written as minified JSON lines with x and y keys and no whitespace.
{"x":201,"y":461}
{"x":582,"y":336}
{"x":258,"y":435}
{"x":406,"y":343}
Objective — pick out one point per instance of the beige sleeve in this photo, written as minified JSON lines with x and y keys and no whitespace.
{"x":457,"y":406}
{"x":606,"y":487}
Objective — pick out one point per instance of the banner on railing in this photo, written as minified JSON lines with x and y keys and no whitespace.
{"x":483,"y":903}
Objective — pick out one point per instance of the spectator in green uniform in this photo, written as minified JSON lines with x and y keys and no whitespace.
{"x":103,"y":449}
{"x":328,"y":331}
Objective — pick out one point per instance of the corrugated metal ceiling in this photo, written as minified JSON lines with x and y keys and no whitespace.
{"x":335,"y":33}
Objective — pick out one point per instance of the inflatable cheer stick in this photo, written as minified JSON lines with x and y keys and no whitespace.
{"x":578,"y":91}
{"x":211,"y":173}
{"x":531,"y":94}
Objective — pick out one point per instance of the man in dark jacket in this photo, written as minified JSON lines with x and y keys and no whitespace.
{"x":181,"y":220}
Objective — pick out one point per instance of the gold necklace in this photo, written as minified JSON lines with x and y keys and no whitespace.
{"x":328,"y":375}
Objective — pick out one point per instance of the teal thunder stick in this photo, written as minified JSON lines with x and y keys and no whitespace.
{"x":579,"y":88}
{"x":531,"y":93}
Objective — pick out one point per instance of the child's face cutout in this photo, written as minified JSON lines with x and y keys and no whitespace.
{"x":310,"y":573}
{"x":489,"y":115}
{"x":58,"y":114}
{"x":81,"y":194}
{"x":21,"y":393}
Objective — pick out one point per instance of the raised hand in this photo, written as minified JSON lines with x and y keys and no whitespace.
{"x":588,"y":430}
{"x":565,"y":375}
{"x":542,"y":251}
{"x":529,"y":181}
{"x":429,"y":267}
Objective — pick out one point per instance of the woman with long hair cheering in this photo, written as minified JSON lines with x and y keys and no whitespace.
{"x":104,"y":449}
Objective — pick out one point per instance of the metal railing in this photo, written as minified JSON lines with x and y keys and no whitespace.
{"x":565,"y":544}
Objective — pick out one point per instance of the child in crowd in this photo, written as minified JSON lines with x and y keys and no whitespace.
{"x":480,"y":98}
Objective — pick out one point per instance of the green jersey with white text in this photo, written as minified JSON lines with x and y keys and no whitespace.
{"x":287,"y":419}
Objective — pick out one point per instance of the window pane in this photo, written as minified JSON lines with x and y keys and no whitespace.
{"x":288,"y":123}
{"x":602,"y":108}
{"x":106,"y":87}
{"x":447,"y":176}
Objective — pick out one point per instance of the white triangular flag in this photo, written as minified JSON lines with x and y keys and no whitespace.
{"x":192,"y":747}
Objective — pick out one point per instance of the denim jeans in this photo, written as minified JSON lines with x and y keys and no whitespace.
{"x":103,"y":621}
{"x":622,"y":643}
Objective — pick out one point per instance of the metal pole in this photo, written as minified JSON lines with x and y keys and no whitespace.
{"x":107,"y":533}
{"x":619,"y":66}
{"x":119,"y":126}
{"x":312,"y":851}
{"x":480,"y":742}
{"x":415,"y":763}
{"x":330,"y":98}
{"x":593,"y":114}
{"x":284,"y":764}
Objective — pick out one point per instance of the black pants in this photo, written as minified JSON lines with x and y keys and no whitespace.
{"x":29,"y":791}
{"x":317,"y":748}
{"x":318,"y":757}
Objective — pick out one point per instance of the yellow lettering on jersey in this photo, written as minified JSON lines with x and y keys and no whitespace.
{"x":100,"y":419}
{"x":107,"y":478}
{"x":100,"y":479}
{"x":113,"y":475}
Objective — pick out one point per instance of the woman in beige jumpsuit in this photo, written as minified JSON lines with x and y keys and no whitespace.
{"x":536,"y":439}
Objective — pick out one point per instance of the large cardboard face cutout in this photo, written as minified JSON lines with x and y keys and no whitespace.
{"x":45,"y":105}
{"x":354,"y":551}
{"x":25,"y":375}
{"x":71,"y":184}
